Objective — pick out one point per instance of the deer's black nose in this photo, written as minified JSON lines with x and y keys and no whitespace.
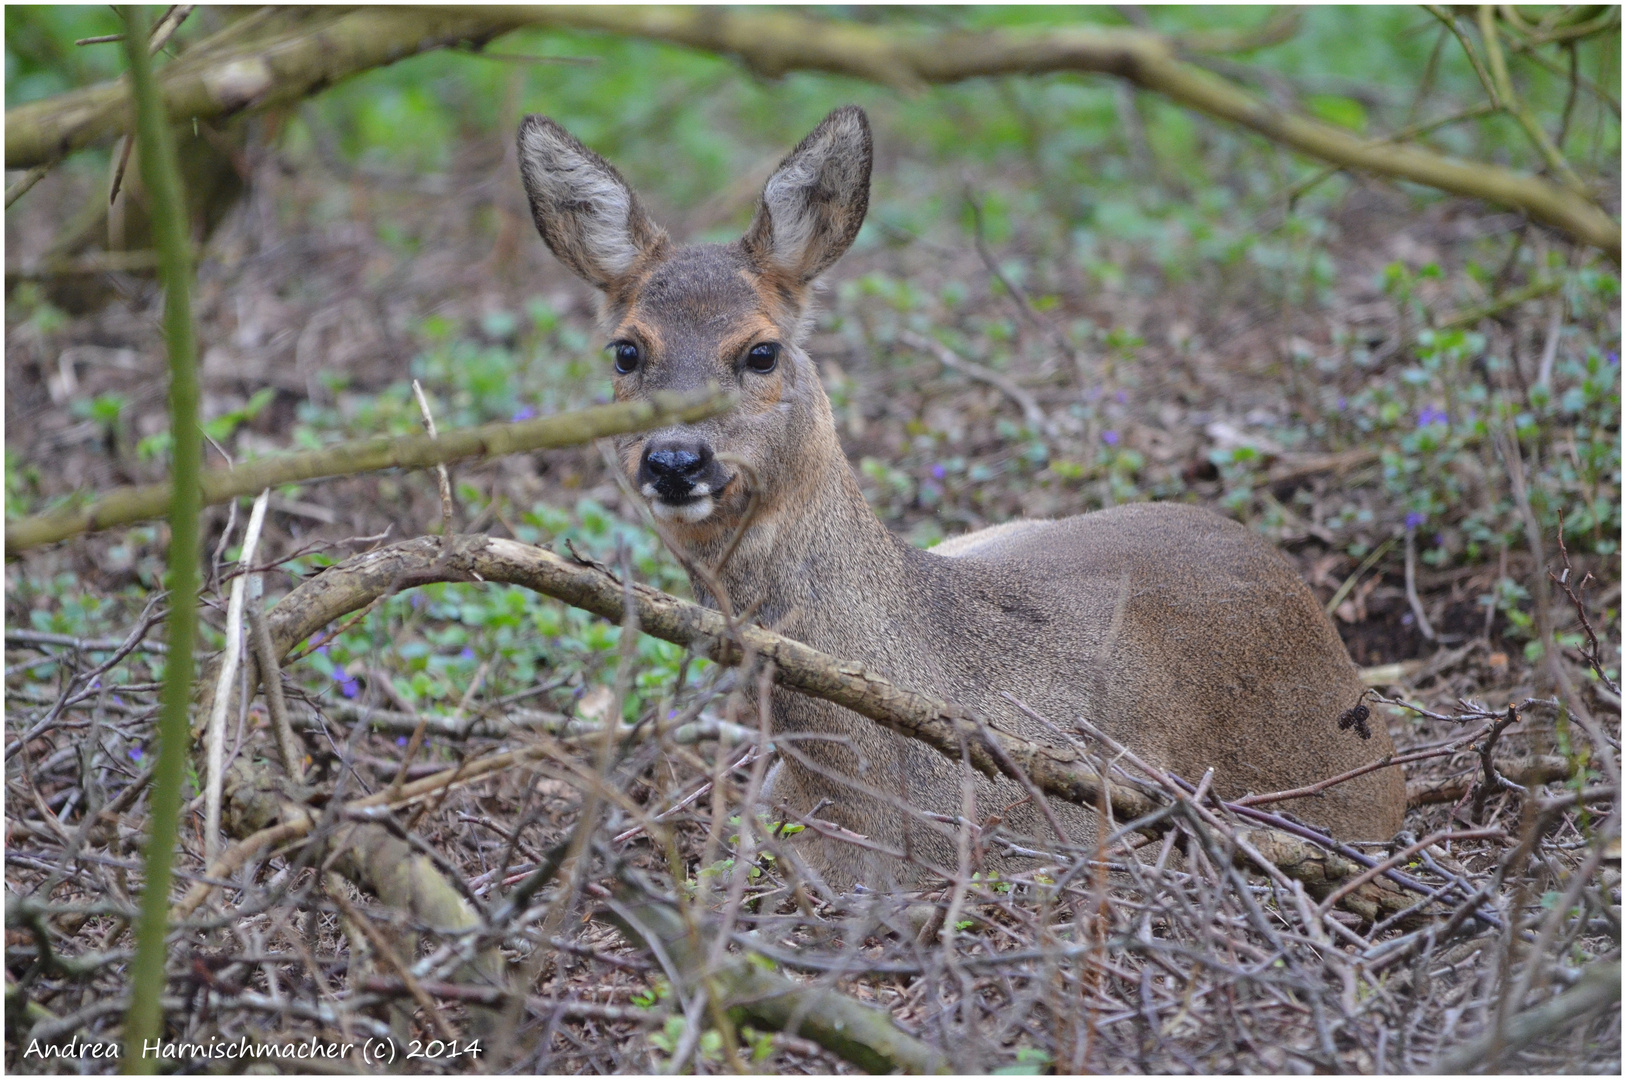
{"x":675,"y":468}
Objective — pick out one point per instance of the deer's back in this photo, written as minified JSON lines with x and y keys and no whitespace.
{"x":1180,"y":633}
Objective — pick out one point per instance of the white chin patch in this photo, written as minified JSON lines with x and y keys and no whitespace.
{"x":689,"y":513}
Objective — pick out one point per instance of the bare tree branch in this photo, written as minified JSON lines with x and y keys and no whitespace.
{"x":265,"y":59}
{"x":1060,"y":772}
{"x":221,"y":77}
{"x":122,"y":506}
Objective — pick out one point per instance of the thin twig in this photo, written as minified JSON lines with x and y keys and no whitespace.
{"x":1592,"y":654}
{"x":1549,"y":350}
{"x":1400,"y":858}
{"x":167,"y":25}
{"x":1609,"y":100}
{"x":1491,"y":781}
{"x":151,"y":616}
{"x":1507,"y":444}
{"x":1517,"y":109}
{"x":1496,"y":306}
{"x":293,"y":758}
{"x":1023,"y":305}
{"x":28,"y":180}
{"x":441,"y":476}
{"x":1423,"y":626}
{"x":1366,"y":564}
{"x":1450,"y":20}
{"x":1412,"y":131}
{"x":1372,"y":766}
{"x":45,"y":637}
{"x":946,"y":356}
{"x":320,"y":639}
{"x":752,"y":506}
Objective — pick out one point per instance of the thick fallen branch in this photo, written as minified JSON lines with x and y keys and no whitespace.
{"x":1060,"y":772}
{"x":266,"y":811}
{"x":1526,"y":772}
{"x":853,"y":1031}
{"x":217,"y":78}
{"x":125,"y":505}
{"x":1598,"y":986}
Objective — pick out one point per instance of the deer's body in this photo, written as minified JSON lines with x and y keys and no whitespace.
{"x":1176,"y":631}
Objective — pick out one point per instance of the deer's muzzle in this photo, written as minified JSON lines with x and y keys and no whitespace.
{"x":679,"y":477}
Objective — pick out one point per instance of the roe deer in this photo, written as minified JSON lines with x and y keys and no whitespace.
{"x":1176,"y":631}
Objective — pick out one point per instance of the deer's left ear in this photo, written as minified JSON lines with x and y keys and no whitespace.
{"x":815,"y":201}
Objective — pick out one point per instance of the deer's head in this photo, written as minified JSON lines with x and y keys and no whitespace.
{"x":678,"y":317}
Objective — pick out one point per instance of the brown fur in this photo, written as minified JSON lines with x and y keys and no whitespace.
{"x":1178,"y":632}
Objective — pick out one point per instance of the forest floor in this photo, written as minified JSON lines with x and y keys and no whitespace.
{"x":1140,"y":379}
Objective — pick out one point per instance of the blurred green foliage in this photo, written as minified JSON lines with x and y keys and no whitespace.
{"x":431,"y":642}
{"x":1135,"y":192}
{"x":648,"y":106}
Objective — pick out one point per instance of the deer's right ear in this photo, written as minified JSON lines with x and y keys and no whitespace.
{"x":584,"y":210}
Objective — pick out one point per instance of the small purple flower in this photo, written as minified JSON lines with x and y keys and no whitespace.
{"x":400,"y":740}
{"x":1415,"y":519}
{"x":938,"y":472}
{"x":417,"y":601}
{"x":1439,"y":539}
{"x":117,"y":700}
{"x":137,"y":753}
{"x":1431,"y":415}
{"x":96,"y":685}
{"x":348,"y":686}
{"x":524,"y":413}
{"x":1343,"y":404}
{"x":466,"y":654}
{"x":1110,"y":438}
{"x":322,"y":649}
{"x":1612,"y":357}
{"x":1123,"y":398}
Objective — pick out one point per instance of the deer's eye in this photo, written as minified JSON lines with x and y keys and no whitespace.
{"x":626,"y":357}
{"x":763,"y":358}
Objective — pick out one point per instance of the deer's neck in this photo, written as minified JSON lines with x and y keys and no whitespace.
{"x":820,"y":567}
